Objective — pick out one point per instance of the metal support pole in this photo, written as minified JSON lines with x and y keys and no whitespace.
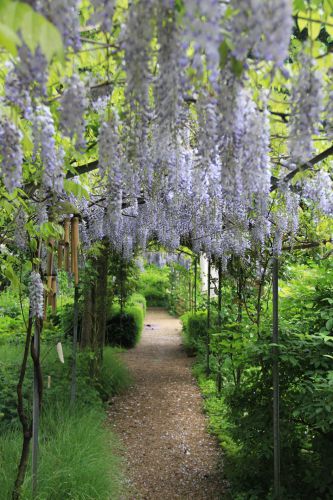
{"x":35,"y":410}
{"x":219,"y":319}
{"x":195,"y":282}
{"x":189,"y":294}
{"x":74,"y":347}
{"x":219,"y":304}
{"x":208,"y":321}
{"x":276,"y":388}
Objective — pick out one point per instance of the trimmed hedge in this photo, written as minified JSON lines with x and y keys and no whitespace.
{"x":195,"y":328}
{"x":124,"y":329}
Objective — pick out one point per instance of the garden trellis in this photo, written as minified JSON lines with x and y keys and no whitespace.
{"x":175,"y":121}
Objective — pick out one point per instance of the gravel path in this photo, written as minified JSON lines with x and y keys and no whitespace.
{"x":168,"y":452}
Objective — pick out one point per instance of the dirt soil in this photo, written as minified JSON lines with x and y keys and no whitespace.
{"x":168,"y":451}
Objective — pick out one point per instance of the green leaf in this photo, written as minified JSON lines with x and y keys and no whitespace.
{"x":329,"y":26}
{"x":36,"y":30}
{"x":302,"y":23}
{"x":224,"y":52}
{"x":76,"y":189}
{"x":8,"y":39}
{"x":51,"y":230}
{"x":237,"y":67}
{"x":329,"y":324}
{"x":11,"y":275}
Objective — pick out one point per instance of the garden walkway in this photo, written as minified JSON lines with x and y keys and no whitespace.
{"x":169,"y":454}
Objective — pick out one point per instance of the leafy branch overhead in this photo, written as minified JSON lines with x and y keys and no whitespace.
{"x":181,"y":121}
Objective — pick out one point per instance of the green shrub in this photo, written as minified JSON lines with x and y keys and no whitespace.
{"x":124,"y":329}
{"x":138,"y":299}
{"x":153,"y":285}
{"x":78,"y":457}
{"x":195,"y":328}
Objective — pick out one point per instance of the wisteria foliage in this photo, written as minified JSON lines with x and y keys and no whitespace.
{"x":187,"y":158}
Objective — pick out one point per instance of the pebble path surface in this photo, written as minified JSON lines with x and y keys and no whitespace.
{"x":160,"y":422}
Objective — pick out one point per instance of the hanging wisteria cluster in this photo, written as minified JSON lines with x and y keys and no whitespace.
{"x":160,"y":259}
{"x":36,"y":295}
{"x":186,"y":159}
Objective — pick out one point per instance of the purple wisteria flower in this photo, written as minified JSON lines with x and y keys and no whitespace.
{"x":11,"y":155}
{"x":36,"y":295}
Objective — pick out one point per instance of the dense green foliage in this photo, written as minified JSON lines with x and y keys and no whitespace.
{"x":78,"y":454}
{"x":153,"y":285}
{"x":124,"y":328}
{"x":241,"y":415}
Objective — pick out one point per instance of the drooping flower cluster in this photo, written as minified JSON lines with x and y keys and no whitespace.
{"x":36,"y":295}
{"x":73,"y":107}
{"x":11,"y":156}
{"x":186,"y":160}
{"x":306,"y":105}
{"x":26,"y":79}
{"x":65,"y":15}
{"x":202,"y":29}
{"x":136,"y":41}
{"x":45,"y":147}
{"x":261,"y":28}
{"x":163,"y":259}
{"x":103,"y":13}
{"x":167,"y":88}
{"x":20,"y":233}
{"x":319,"y":189}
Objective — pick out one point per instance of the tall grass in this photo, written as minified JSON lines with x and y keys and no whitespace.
{"x":114,"y":376}
{"x":78,"y":458}
{"x":78,"y":453}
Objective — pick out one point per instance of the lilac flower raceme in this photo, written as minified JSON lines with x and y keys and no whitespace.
{"x":261,"y":28}
{"x":27,"y":79}
{"x":109,"y":152}
{"x":11,"y":155}
{"x":103,"y":13}
{"x":36,"y":295}
{"x":20,"y":233}
{"x":45,"y":147}
{"x":53,"y":178}
{"x":73,"y":106}
{"x":306,"y":105}
{"x":167,"y":86}
{"x":319,"y":190}
{"x":136,"y":42}
{"x":65,"y":15}
{"x":202,"y":29}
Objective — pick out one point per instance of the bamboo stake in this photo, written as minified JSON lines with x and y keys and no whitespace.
{"x":54,"y":294}
{"x":66,"y":241}
{"x":75,"y":249}
{"x":45,"y":305}
{"x":60,"y":255}
{"x":74,"y":346}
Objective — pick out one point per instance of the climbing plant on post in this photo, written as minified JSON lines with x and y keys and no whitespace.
{"x":276,"y":385}
{"x":195,"y":293}
{"x":219,"y":323}
{"x":208,"y":318}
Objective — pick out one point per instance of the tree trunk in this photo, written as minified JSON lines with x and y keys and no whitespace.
{"x":25,"y":421}
{"x":95,"y":306}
